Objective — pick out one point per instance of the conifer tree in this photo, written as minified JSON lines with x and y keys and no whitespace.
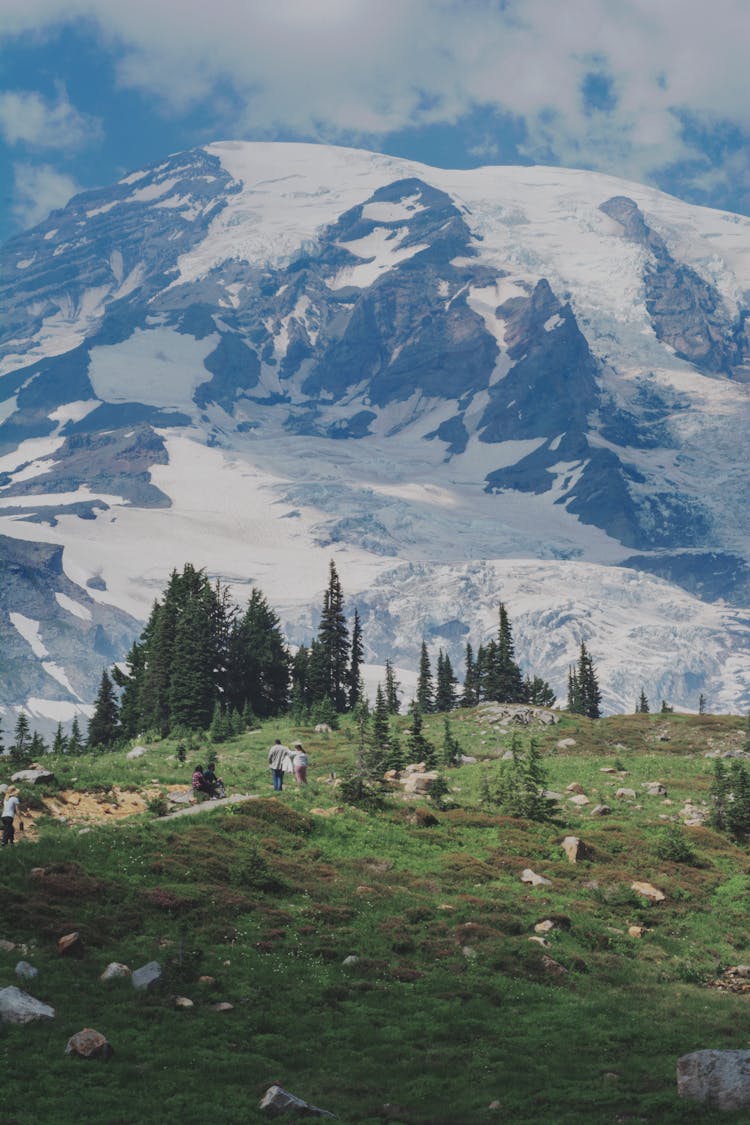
{"x":470,"y":695}
{"x":584,"y":697}
{"x":333,"y":639}
{"x":446,"y":696}
{"x":642,"y":707}
{"x":259,"y":662}
{"x":392,"y":690}
{"x":380,"y":720}
{"x":396,"y":760}
{"x":503,"y":681}
{"x":425,"y":697}
{"x":2,"y":744}
{"x":356,"y":657}
{"x":37,"y":746}
{"x":420,"y":749}
{"x":538,"y":692}
{"x":75,"y":739}
{"x":374,"y":757}
{"x":192,"y":684}
{"x":665,"y":708}
{"x":104,"y":727}
{"x":22,"y":735}
{"x":451,"y":745}
{"x":701,"y":704}
{"x":60,"y":742}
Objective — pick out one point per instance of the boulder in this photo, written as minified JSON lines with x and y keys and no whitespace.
{"x":70,"y":945}
{"x":115,"y":971}
{"x":89,"y":1044}
{"x":625,"y":794}
{"x":544,"y":927}
{"x":136,"y":752}
{"x":419,"y":782}
{"x":6,"y":946}
{"x":580,"y":800}
{"x":529,"y":876}
{"x":35,"y":776}
{"x":565,"y":743}
{"x":601,"y":810}
{"x":655,"y":789}
{"x":222,"y":1006}
{"x":322,"y":728}
{"x":467,"y":760}
{"x":25,"y":971}
{"x":716,"y":1078}
{"x":183,"y":1002}
{"x":278,"y":1102}
{"x":574,"y":787}
{"x":575,"y":850}
{"x":146,"y":977}
{"x":646,"y":890}
{"x":19,"y":1008}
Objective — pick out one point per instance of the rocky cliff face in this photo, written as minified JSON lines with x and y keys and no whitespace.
{"x":251,"y":356}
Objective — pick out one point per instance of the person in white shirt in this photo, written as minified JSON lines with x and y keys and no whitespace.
{"x":279,"y":757}
{"x":11,"y":809}
{"x":300,"y":763}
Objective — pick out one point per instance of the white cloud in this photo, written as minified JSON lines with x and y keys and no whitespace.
{"x":362,"y":68}
{"x":39,"y":189}
{"x":28,"y":118}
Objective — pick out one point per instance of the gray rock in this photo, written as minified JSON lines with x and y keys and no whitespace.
{"x":601,"y":810}
{"x":278,"y":1102}
{"x":33,"y":777}
{"x":89,"y":1044}
{"x":25,"y":971}
{"x":575,"y":849}
{"x":147,"y":976}
{"x":467,"y":760}
{"x":655,"y":788}
{"x":136,"y":752}
{"x":18,"y":1007}
{"x":716,"y":1078}
{"x":624,"y":794}
{"x":529,"y":876}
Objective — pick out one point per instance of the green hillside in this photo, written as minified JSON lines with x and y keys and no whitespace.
{"x":450,"y":1014}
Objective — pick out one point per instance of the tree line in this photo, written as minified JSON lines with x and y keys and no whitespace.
{"x":202,"y":663}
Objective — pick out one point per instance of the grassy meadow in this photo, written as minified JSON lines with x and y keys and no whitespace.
{"x":450,"y":1014}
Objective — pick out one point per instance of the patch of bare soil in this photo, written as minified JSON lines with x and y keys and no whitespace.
{"x":79,"y":807}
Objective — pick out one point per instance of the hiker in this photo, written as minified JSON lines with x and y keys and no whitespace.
{"x":11,"y":809}
{"x":299,"y":762}
{"x":214,"y":783}
{"x":279,"y":759}
{"x":199,"y":784}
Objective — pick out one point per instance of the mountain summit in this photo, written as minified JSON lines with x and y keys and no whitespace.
{"x":516,"y":384}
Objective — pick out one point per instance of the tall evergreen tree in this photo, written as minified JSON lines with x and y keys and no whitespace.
{"x":60,"y":742}
{"x":104,"y":728}
{"x":503,"y":679}
{"x":333,"y":639}
{"x":356,"y":657}
{"x":75,"y":739}
{"x":584,"y":696}
{"x":392,"y":690}
{"x":420,"y":748}
{"x":22,"y":735}
{"x":425,"y":697}
{"x":259,"y":663}
{"x":538,"y":692}
{"x":446,"y":696}
{"x":642,"y":707}
{"x":470,"y":695}
{"x":451,"y":745}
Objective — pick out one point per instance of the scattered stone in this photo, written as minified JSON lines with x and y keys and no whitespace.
{"x":322,"y":728}
{"x":495,"y":1105}
{"x":222,"y":1006}
{"x":601,"y":810}
{"x":146,"y":977}
{"x":352,"y":959}
{"x":469,"y":952}
{"x":421,"y":782}
{"x":637,"y":931}
{"x":608,"y":769}
{"x":70,"y":945}
{"x":25,"y":971}
{"x":580,"y":800}
{"x":277,"y":1102}
{"x":467,"y":760}
{"x":655,"y":788}
{"x":545,"y":926}
{"x":115,"y":970}
{"x":551,"y":795}
{"x":693,"y":816}
{"x":574,"y":787}
{"x":207,"y":981}
{"x":34,"y":776}
{"x":624,"y":794}
{"x":507,"y":756}
{"x":332,"y":811}
{"x":180,"y":797}
{"x":539,"y":940}
{"x":136,"y":752}
{"x":183,"y":1002}
{"x":734,"y":979}
{"x":646,"y":890}
{"x":575,"y":850}
{"x":19,"y":1008}
{"x":565,"y":743}
{"x":529,"y":876}
{"x":716,"y":1078}
{"x":89,"y":1044}
{"x":553,"y":967}
{"x":7,"y":946}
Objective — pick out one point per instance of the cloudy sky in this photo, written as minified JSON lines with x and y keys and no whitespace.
{"x":653,"y":90}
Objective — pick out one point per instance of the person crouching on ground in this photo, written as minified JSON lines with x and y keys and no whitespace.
{"x":279,"y":757}
{"x":11,"y":809}
{"x":300,"y":763}
{"x":200,"y":786}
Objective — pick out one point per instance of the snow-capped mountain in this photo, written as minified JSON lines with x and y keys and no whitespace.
{"x":517,"y":384}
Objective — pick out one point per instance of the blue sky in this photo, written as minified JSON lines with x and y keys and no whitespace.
{"x":652,"y":90}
